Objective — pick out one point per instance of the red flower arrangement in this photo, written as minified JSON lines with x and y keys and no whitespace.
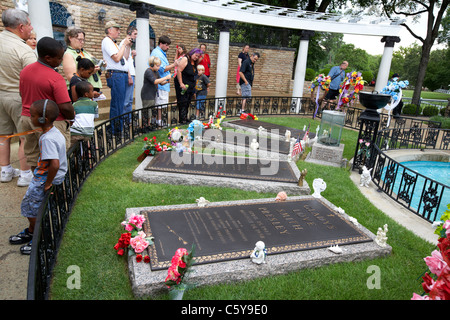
{"x":134,"y":239}
{"x":437,"y":284}
{"x":248,"y":116}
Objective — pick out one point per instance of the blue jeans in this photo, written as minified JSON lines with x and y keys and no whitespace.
{"x":201,"y":102}
{"x":118,"y":82}
{"x":128,"y":106}
{"x":33,"y":199}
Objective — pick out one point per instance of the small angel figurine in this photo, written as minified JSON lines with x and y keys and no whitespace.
{"x":381,"y":238}
{"x":258,"y":255}
{"x":365,"y":177}
{"x":254,"y":145}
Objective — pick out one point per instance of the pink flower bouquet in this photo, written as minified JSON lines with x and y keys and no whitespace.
{"x":135,"y":240}
{"x":437,"y":284}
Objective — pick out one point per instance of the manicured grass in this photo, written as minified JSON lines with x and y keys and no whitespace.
{"x":94,"y":227}
{"x":426,"y":95}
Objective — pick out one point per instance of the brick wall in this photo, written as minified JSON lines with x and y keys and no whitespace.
{"x":273,"y":71}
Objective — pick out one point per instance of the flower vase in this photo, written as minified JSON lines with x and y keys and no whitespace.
{"x":176,"y":294}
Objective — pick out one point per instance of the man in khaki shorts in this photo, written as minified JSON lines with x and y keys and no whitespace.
{"x":15,"y":55}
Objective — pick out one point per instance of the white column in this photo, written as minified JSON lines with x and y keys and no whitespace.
{"x":41,"y":20}
{"x":300,"y":68}
{"x":223,"y":55}
{"x":142,"y":55}
{"x":142,"y":47}
{"x":385,"y":64}
{"x":222,"y":64}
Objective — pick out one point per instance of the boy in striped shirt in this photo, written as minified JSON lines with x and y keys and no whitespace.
{"x":86,"y":111}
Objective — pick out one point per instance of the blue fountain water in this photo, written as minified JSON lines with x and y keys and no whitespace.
{"x":438,"y":171}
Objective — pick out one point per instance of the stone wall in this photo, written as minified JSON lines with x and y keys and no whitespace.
{"x":273,"y":71}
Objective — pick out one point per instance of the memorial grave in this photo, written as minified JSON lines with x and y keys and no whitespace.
{"x":256,"y":174}
{"x":262,"y":128}
{"x":241,"y":142}
{"x":297,"y":234}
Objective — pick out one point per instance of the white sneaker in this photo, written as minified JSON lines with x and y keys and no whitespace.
{"x":24,"y":180}
{"x":8,"y":176}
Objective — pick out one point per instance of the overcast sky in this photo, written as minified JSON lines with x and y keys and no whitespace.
{"x":374,"y":46}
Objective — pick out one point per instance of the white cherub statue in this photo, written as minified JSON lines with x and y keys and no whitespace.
{"x":319,"y":186}
{"x":202,"y":202}
{"x":258,"y":255}
{"x":365,"y":177}
{"x":287,"y":135}
{"x":381,"y":238}
{"x":254,"y":145}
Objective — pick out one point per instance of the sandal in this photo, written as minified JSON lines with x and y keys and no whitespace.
{"x":26,"y":249}
{"x":21,"y":238}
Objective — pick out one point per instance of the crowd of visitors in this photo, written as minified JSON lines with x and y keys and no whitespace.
{"x":50,"y":112}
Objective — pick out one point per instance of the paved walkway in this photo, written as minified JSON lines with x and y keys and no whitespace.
{"x":14,"y":265}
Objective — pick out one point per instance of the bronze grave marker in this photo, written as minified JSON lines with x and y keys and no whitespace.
{"x":223,"y":232}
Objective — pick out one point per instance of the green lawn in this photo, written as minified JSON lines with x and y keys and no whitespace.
{"x":426,"y":95}
{"x":94,"y":227}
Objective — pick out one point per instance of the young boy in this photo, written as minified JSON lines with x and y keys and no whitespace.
{"x":51,"y":168}
{"x":150,"y":87}
{"x":201,"y":88}
{"x":86,"y":111}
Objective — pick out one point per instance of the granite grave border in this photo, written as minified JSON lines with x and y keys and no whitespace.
{"x":146,"y":176}
{"x":145,"y":282}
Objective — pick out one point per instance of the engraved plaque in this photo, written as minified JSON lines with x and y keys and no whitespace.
{"x":223,"y":166}
{"x":228,"y":232}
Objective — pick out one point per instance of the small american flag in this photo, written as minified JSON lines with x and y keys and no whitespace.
{"x":305,"y":137}
{"x":297,"y":147}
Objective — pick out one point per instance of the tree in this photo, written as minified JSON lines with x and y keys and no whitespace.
{"x":437,"y":76}
{"x":414,"y":8}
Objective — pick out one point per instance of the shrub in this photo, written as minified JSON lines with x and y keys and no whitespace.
{"x":410,"y":109}
{"x":325,"y":71}
{"x":430,"y":111}
{"x":309,"y":74}
{"x":367,"y":76}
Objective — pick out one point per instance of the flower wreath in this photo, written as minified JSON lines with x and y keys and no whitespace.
{"x":323,"y":82}
{"x":352,"y":80}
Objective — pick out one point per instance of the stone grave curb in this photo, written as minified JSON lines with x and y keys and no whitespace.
{"x":142,"y":175}
{"x":150,"y":283}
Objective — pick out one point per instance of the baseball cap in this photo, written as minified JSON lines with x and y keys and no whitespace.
{"x":111,"y":24}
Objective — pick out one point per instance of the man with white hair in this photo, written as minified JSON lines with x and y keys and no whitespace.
{"x":116,"y":66}
{"x":15,"y":55}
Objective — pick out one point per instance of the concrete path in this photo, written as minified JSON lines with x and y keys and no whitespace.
{"x":13,"y":265}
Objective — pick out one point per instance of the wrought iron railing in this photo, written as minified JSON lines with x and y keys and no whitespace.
{"x":113,"y":134}
{"x":416,"y":192}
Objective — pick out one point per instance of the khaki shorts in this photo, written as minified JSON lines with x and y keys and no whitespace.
{"x":31,"y":146}
{"x":10,"y":110}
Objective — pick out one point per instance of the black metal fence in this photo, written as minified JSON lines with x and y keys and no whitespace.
{"x":113,"y":134}
{"x":414,"y":191}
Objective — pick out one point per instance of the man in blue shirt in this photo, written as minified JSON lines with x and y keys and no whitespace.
{"x":161,"y":52}
{"x":162,"y":96}
{"x":337,"y":74}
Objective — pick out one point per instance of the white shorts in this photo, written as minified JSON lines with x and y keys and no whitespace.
{"x":162,"y":98}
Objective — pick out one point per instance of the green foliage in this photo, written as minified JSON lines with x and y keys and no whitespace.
{"x":367,"y":76}
{"x":310,"y":74}
{"x":430,"y":111}
{"x":410,"y":109}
